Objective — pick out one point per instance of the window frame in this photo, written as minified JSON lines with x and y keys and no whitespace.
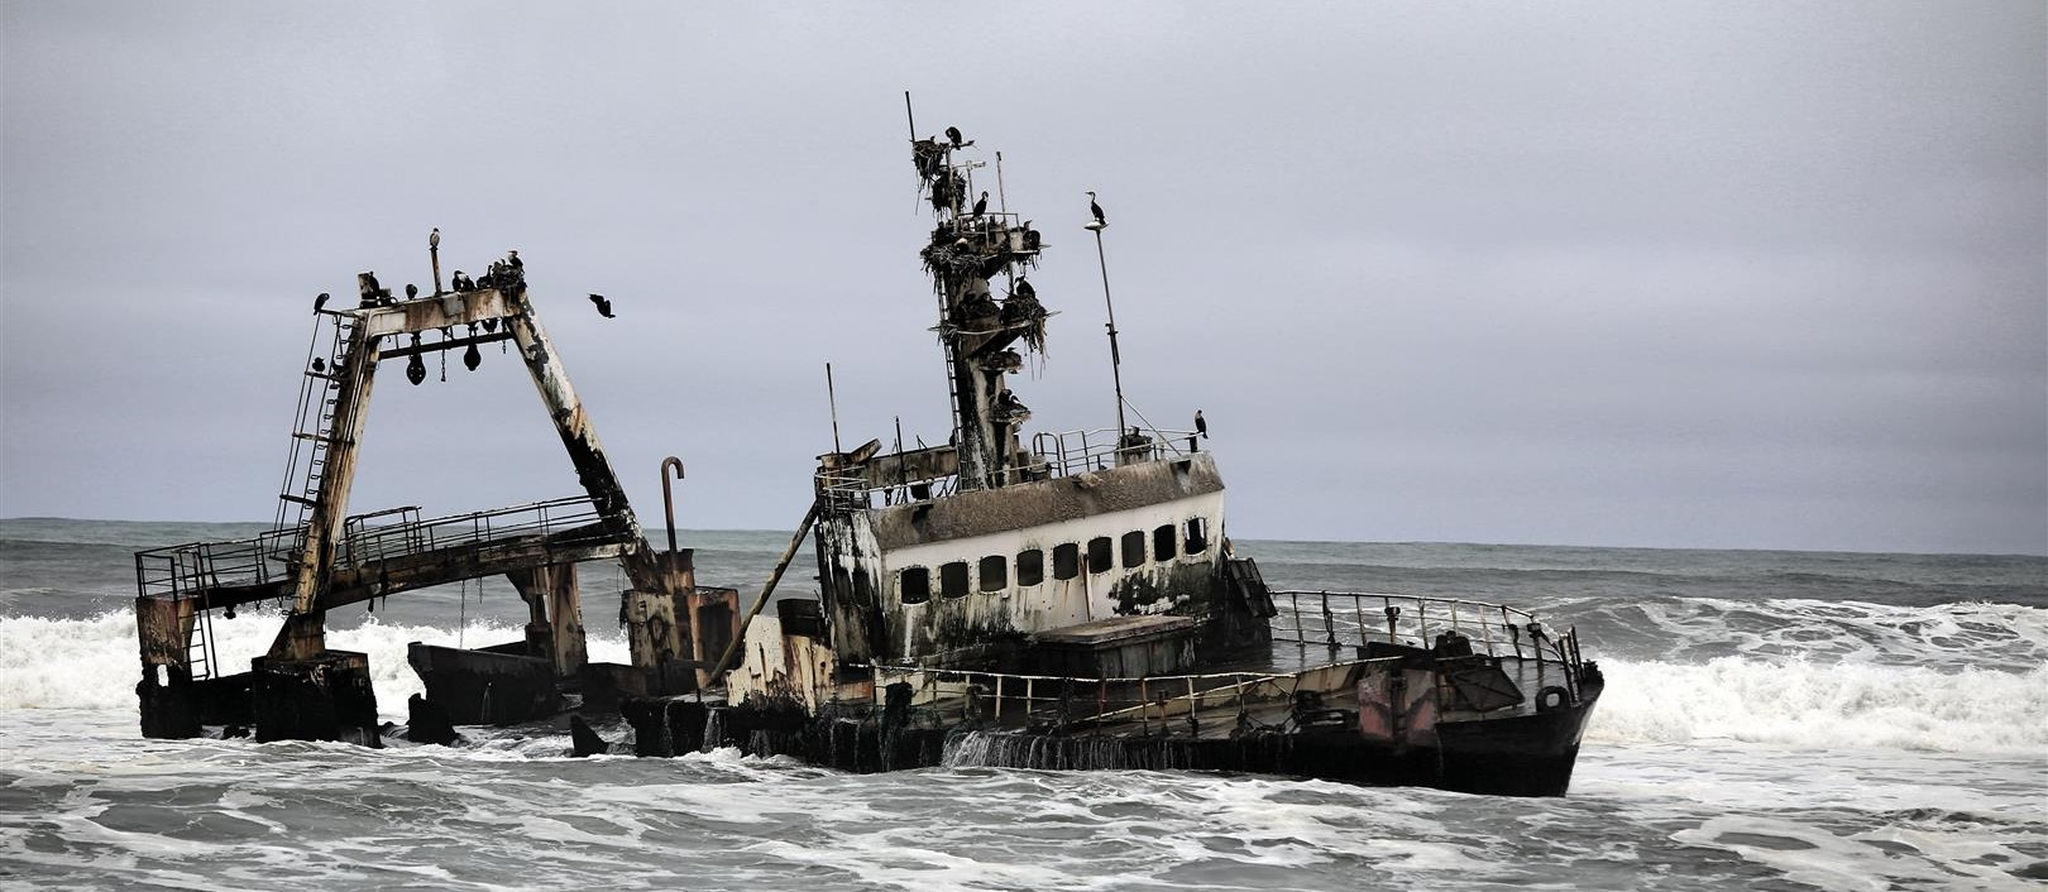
{"x":1001,"y":574}
{"x":924,"y":577}
{"x":1108,"y":551}
{"x":1072,"y":550}
{"x":1125,"y":549}
{"x":1036,"y":563}
{"x":947,"y":572}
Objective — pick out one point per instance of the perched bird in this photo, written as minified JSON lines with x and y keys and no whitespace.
{"x":604,"y":307}
{"x":953,"y":133}
{"x":412,"y":291}
{"x":981,"y":204}
{"x":1096,"y":209}
{"x":321,"y":301}
{"x":1024,"y":288}
{"x":512,"y":257}
{"x":319,"y":365}
{"x":1201,"y":425}
{"x":462,"y":282}
{"x":434,"y":239}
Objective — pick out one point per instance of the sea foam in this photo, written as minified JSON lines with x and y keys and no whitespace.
{"x":91,"y":664}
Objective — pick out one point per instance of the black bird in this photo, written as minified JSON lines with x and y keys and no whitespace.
{"x":321,"y":301}
{"x":604,"y":307}
{"x":981,"y":204}
{"x":434,"y":239}
{"x":412,"y":292}
{"x":1024,"y":289}
{"x":953,"y":133}
{"x":1096,"y":209}
{"x":460,"y":281}
{"x":512,"y":257}
{"x":1201,"y":425}
{"x":319,"y":365}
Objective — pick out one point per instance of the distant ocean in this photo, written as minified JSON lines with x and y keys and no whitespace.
{"x":1775,"y":720}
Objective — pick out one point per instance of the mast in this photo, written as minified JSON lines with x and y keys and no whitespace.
{"x":977,"y":327}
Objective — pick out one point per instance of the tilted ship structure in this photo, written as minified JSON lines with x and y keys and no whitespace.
{"x":1066,"y":601}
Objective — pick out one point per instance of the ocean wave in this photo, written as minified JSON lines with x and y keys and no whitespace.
{"x":93,"y":663}
{"x":1970,"y":634}
{"x":1843,"y":704}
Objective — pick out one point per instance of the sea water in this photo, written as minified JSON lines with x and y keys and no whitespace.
{"x":1774,"y":720}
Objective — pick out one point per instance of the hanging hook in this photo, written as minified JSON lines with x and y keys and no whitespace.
{"x":668,"y":499}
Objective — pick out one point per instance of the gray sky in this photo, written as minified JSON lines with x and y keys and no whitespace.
{"x":1769,"y":275}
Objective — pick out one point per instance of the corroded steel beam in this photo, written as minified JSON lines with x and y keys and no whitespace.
{"x":302,"y":636}
{"x":579,"y":438}
{"x":434,"y":313}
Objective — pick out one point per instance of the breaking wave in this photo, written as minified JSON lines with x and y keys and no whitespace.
{"x":1822,"y":698}
{"x":1841,"y":704}
{"x":92,"y":663}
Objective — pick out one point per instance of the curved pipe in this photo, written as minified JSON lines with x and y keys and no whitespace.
{"x":668,"y":498}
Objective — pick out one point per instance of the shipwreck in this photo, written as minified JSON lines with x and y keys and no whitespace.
{"x":1056,"y":599}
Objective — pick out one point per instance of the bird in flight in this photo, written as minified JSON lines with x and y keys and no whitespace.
{"x":604,"y":307}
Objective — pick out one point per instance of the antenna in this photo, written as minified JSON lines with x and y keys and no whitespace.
{"x":908,"y":114}
{"x":832,"y":399}
{"x":1116,"y":359}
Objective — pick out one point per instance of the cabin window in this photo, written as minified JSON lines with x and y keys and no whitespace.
{"x":1066,"y":561}
{"x":1098,"y":555}
{"x":863,"y":590}
{"x":1198,"y":535}
{"x":1030,"y":567}
{"x":995,"y":573}
{"x":953,"y":579}
{"x":1134,"y":549}
{"x":1163,"y":540}
{"x":914,"y":585}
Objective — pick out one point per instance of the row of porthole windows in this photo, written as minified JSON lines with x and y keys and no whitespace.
{"x":914,"y":584}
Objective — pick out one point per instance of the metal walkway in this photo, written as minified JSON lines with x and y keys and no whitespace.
{"x":376,"y":559}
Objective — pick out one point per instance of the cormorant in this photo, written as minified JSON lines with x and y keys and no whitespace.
{"x":434,"y":239}
{"x":319,"y":365}
{"x":1024,"y":288}
{"x":981,"y":204}
{"x":412,"y":292}
{"x":953,"y":133}
{"x":604,"y":307}
{"x":1201,"y":425}
{"x":461,"y":282}
{"x":1096,"y":209}
{"x":512,"y":257}
{"x":321,"y":301}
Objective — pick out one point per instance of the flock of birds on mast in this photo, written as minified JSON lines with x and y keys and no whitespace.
{"x":957,"y":140}
{"x":509,"y":272}
{"x":504,"y":272}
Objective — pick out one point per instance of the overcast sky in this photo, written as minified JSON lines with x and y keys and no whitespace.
{"x":1728,"y":275}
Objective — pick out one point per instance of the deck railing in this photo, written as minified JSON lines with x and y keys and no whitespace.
{"x":1333,"y":625}
{"x":1340,"y":622}
{"x":191,"y":569}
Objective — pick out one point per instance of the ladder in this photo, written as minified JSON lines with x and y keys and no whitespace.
{"x":199,"y":653}
{"x":314,"y":428}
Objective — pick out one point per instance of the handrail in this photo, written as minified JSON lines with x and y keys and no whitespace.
{"x":173,"y":570}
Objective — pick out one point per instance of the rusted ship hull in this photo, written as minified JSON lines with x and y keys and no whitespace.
{"x":1528,"y":755}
